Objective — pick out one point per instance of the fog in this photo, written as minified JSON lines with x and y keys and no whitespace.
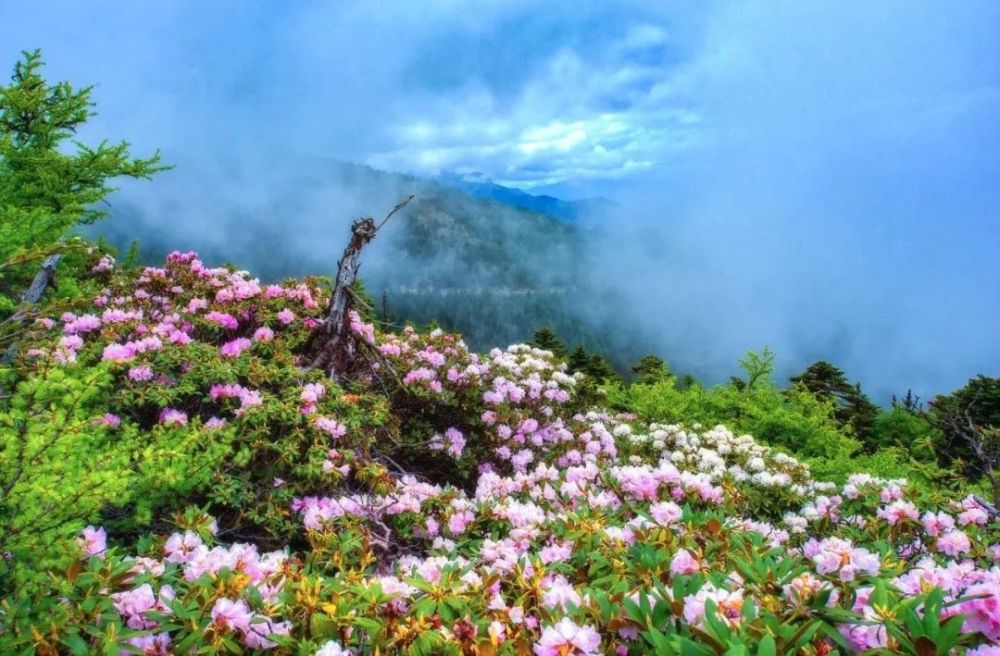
{"x":820,"y":178}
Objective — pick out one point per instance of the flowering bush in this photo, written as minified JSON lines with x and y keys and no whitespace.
{"x":445,"y":503}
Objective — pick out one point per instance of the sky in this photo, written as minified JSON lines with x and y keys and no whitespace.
{"x":817,"y":177}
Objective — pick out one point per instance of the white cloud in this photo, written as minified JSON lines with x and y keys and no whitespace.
{"x":578,"y":117}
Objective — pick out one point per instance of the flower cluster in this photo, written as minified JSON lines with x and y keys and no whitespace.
{"x":539,"y":523}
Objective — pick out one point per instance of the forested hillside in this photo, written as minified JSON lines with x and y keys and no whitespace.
{"x":468,"y":262}
{"x":194,"y":459}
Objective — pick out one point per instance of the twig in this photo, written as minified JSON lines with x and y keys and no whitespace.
{"x":988,"y":507}
{"x":400,"y":205}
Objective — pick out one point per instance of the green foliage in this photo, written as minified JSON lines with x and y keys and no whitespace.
{"x":57,"y":468}
{"x":651,"y":369}
{"x":594,"y":365}
{"x":62,"y":466}
{"x":969,"y":418}
{"x":977,"y":404}
{"x":50,"y":181}
{"x":897,"y":427}
{"x":546,"y":338}
{"x":794,"y":420}
{"x":852,"y":408}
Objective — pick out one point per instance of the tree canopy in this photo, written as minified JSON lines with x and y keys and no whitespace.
{"x":50,"y":181}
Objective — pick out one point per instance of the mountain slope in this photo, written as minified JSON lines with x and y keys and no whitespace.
{"x":476,"y":264}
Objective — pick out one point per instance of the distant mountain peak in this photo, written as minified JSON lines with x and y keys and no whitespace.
{"x":476,"y":184}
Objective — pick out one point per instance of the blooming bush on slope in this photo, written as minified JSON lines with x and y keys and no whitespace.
{"x":455,"y":503}
{"x":185,"y":384}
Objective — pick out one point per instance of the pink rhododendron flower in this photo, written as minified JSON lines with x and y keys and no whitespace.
{"x":899,"y":511}
{"x":157,"y":644}
{"x":181,"y":547}
{"x":556,"y":552}
{"x":983,"y":613}
{"x":566,"y":638}
{"x":557,"y":592}
{"x":459,"y":521}
{"x":937,"y":523}
{"x":312,"y":393}
{"x":94,"y":541}
{"x":133,"y":605}
{"x":804,"y":587}
{"x":173,"y":417}
{"x":263,"y":334}
{"x":835,"y":555}
{"x":729,"y":605}
{"x":954,"y":543}
{"x":259,"y":634}
{"x":117,"y":353}
{"x":973,"y":516}
{"x":870,"y":635}
{"x":82,"y":324}
{"x":332,"y":427}
{"x":231,"y":615}
{"x":108,"y":419}
{"x":140,"y":373}
{"x":285,"y":317}
{"x":235,"y":347}
{"x":223,"y":319}
{"x":684,"y":563}
{"x":665,"y":513}
{"x":984,"y":650}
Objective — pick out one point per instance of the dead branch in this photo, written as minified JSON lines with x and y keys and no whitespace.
{"x":44,"y":279}
{"x":987,"y":506}
{"x":337,"y":346}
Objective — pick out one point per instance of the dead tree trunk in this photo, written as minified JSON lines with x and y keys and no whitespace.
{"x":43,"y":280}
{"x":336,"y":346}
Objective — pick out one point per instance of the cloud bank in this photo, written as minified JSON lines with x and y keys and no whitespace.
{"x":821,"y":178}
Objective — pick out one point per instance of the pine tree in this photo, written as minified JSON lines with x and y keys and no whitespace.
{"x":824,"y":380}
{"x":970,"y":420}
{"x":853,"y":407}
{"x":50,"y":181}
{"x":860,"y":413}
{"x":600,"y":369}
{"x":578,"y":360}
{"x":546,"y":338}
{"x":651,"y":369}
{"x":910,"y":402}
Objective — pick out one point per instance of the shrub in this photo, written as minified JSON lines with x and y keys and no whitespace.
{"x":444,"y":502}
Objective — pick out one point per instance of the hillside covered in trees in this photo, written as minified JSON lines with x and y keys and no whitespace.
{"x":196,"y":461}
{"x":461,"y":249}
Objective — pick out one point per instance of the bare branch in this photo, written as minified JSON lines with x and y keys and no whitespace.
{"x":400,"y":205}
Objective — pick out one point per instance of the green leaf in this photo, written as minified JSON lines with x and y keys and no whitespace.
{"x":76,"y":644}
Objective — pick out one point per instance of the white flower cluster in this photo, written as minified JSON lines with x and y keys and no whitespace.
{"x":721,"y":454}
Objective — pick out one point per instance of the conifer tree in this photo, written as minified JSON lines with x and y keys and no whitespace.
{"x":546,"y":338}
{"x":853,"y":407}
{"x":578,"y":360}
{"x":970,"y":420}
{"x":50,"y":182}
{"x":600,"y":369}
{"x":651,"y":369}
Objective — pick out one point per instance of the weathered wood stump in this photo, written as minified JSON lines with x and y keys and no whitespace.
{"x":45,"y":278}
{"x":334,"y":344}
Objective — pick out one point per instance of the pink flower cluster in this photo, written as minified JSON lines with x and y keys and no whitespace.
{"x":248,"y":398}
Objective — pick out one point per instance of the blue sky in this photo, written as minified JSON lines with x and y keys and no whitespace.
{"x":824,"y":176}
